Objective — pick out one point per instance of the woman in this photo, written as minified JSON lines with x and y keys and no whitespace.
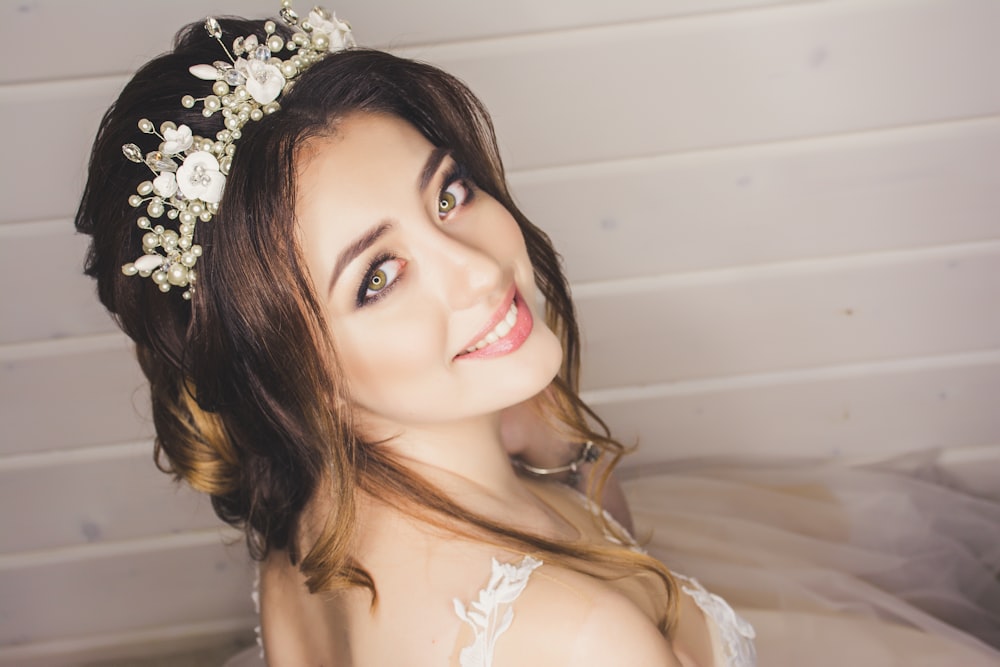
{"x":348,"y":349}
{"x":329,"y":356}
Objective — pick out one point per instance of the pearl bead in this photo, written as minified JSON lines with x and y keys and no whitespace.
{"x":242,"y":93}
{"x":142,"y":222}
{"x":186,"y":219}
{"x":150,"y":240}
{"x":177,"y":274}
{"x":145,"y":125}
{"x":134,"y":200}
{"x":187,"y":295}
{"x":256,"y":114}
{"x":269,"y":28}
{"x":220,"y":88}
{"x":275,"y":43}
{"x":188,"y":259}
{"x":212,"y":102}
{"x":205,"y":216}
{"x":129,"y":269}
{"x":167,"y":125}
{"x":165,"y":287}
{"x":184,"y":243}
{"x":321,"y":41}
{"x":196,"y":250}
{"x":187,"y":101}
{"x":155,"y":209}
{"x":172,"y":213}
{"x":288,"y":69}
{"x":145,"y":188}
{"x":195,"y":208}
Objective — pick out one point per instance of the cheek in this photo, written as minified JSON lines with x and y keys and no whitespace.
{"x":384,"y":365}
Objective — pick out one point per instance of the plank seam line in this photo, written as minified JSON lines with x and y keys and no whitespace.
{"x":554,"y":171}
{"x":71,"y":646}
{"x":57,"y":457}
{"x":23,"y":351}
{"x":630,"y":393}
{"x":221,"y":536}
{"x":796,"y":267}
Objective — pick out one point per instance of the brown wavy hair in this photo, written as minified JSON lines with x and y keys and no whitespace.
{"x":242,"y":410}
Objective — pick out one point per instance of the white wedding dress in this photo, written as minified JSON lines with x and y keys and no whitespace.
{"x":833,"y":565}
{"x":823,"y":564}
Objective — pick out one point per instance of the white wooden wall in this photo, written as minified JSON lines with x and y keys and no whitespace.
{"x":780,"y":218}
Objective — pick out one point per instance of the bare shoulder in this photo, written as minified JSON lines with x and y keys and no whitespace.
{"x":566,"y":619}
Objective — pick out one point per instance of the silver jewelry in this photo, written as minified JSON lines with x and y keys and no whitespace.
{"x":190,"y":171}
{"x":588,"y":454}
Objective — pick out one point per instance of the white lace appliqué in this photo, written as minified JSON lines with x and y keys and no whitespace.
{"x":736,"y":633}
{"x":492,"y":613}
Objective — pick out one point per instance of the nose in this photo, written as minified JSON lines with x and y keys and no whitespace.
{"x":462,"y":271}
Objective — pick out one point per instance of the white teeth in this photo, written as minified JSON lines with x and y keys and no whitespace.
{"x":499,"y":331}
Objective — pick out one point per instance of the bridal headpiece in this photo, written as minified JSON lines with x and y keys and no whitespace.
{"x":190,"y":171}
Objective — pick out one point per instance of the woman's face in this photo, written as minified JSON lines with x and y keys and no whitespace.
{"x":416,"y":267}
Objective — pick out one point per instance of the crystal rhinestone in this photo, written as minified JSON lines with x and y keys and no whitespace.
{"x":261,"y":53}
{"x":250,"y":44}
{"x":234,"y":78}
{"x":238,"y":46}
{"x":322,"y":13}
{"x":158,"y":162}
{"x":213,"y":28}
{"x":289,"y":16}
{"x":132,"y":152}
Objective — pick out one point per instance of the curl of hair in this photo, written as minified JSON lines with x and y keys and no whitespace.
{"x":241,"y":408}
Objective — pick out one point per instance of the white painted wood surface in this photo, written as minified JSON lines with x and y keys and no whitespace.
{"x":780,"y":218}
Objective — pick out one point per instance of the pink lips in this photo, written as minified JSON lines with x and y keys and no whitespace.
{"x":513,"y":340}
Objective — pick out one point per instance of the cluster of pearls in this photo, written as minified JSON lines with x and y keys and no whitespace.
{"x":245,"y":89}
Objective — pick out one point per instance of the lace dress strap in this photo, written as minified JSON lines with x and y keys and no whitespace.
{"x":491,"y":614}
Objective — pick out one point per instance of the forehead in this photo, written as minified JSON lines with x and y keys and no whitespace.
{"x":364,"y":151}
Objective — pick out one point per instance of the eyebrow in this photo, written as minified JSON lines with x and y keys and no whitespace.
{"x":358,"y":246}
{"x":366,"y":240}
{"x":434,"y":161}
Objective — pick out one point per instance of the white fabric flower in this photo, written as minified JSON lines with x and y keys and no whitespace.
{"x":199,"y":177}
{"x":165,"y":185}
{"x":177,"y":140}
{"x":264,"y":81}
{"x":338,"y":31}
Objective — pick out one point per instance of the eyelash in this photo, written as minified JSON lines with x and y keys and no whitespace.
{"x":458,"y":174}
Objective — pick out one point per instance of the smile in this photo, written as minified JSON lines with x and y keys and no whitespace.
{"x":507,"y":335}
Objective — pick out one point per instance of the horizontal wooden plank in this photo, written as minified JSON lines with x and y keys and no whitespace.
{"x":145,"y":29}
{"x":863,"y":416}
{"x":72,"y":400}
{"x":801,"y":315}
{"x":127,"y":592}
{"x":90,"y":502}
{"x":889,"y":190}
{"x":806,"y":70}
{"x":734,"y":79}
{"x":59,"y":301}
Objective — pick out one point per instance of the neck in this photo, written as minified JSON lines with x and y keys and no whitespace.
{"x":460,"y":458}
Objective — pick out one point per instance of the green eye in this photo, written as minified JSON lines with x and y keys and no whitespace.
{"x":447,"y":202}
{"x":377,"y":281}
